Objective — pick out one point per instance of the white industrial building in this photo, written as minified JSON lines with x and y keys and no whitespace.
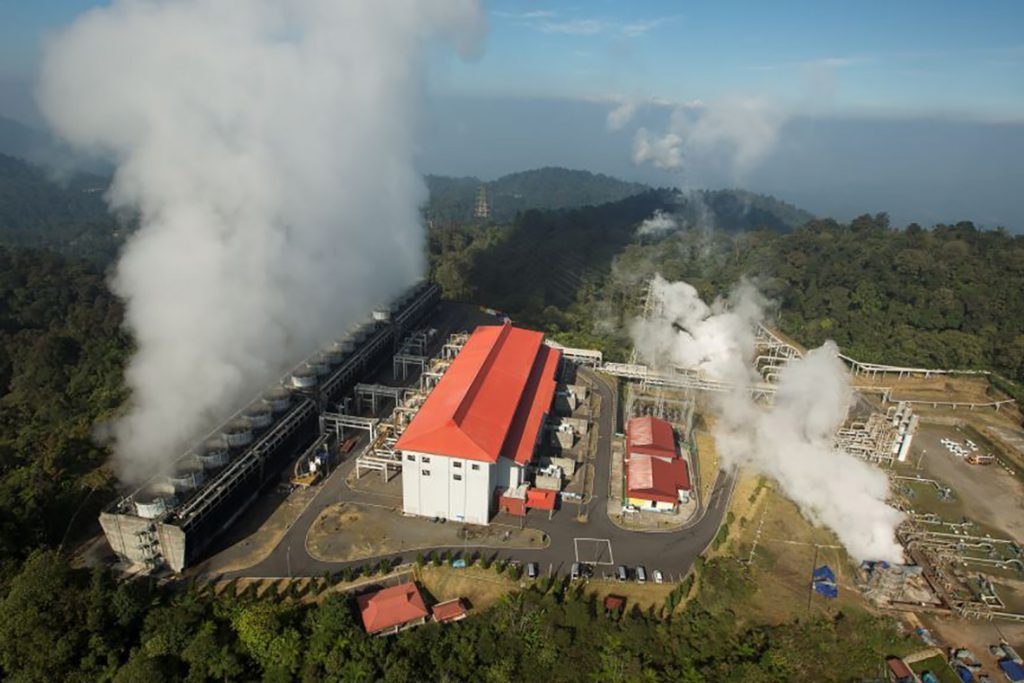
{"x":466,"y":450}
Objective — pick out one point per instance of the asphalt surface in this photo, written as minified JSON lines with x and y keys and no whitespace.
{"x":597,"y":540}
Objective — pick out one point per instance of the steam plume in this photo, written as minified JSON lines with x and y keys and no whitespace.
{"x":268,"y":147}
{"x":792,"y":441}
{"x":659,"y":223}
{"x":734,"y":134}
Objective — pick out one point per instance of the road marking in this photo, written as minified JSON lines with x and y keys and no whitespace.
{"x":596,"y":553}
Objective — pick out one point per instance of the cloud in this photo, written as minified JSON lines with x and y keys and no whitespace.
{"x":551,"y":22}
{"x":792,"y":441}
{"x":736,"y":133}
{"x":269,"y":149}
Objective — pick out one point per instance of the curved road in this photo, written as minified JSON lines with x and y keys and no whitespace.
{"x":671,"y":552}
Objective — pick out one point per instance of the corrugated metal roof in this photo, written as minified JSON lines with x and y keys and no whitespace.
{"x":541,"y":499}
{"x":390,"y":607}
{"x":650,"y":435}
{"x":652,"y":478}
{"x":491,"y":400}
{"x":449,"y":610}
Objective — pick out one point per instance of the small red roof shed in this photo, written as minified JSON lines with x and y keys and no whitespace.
{"x":450,"y":610}
{"x":541,"y":499}
{"x":392,"y":607}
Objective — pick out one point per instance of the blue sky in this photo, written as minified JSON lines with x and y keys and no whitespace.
{"x":923,"y":57}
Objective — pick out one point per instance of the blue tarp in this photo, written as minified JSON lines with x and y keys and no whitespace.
{"x":827,"y":589}
{"x":824,"y":572}
{"x":824,"y":580}
{"x":1014,"y":671}
{"x":965,"y":674}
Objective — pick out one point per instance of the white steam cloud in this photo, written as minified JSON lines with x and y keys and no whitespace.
{"x":621,"y":115}
{"x":792,"y":441}
{"x":735,"y":134}
{"x":659,"y":223}
{"x":268,"y":146}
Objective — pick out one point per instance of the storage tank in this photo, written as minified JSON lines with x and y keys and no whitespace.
{"x":213,"y":454}
{"x":320,"y":362}
{"x":335,"y":352}
{"x":238,"y":433}
{"x":154,"y":500}
{"x":278,"y":399}
{"x":382,"y":315}
{"x":259,"y":415}
{"x":305,"y":377}
{"x":188,"y":475}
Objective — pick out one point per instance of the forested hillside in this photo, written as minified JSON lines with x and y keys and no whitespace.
{"x":453,"y":199}
{"x":952,"y":296}
{"x":70,"y":218}
{"x":61,"y":361}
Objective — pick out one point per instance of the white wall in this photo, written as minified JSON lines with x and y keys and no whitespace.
{"x":452,"y":488}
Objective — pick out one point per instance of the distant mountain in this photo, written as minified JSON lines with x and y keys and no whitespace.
{"x":70,"y":217}
{"x":19,"y":140}
{"x":545,"y":188}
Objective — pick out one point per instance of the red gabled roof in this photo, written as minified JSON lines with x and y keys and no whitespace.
{"x":650,"y":435}
{"x":450,"y":610}
{"x":533,"y":406}
{"x":491,"y":401}
{"x":652,"y":478}
{"x":391,"y":607}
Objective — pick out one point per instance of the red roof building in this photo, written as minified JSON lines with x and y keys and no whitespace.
{"x":491,"y":401}
{"x":656,"y":476}
{"x":450,"y":610}
{"x":392,"y":609}
{"x":468,"y":445}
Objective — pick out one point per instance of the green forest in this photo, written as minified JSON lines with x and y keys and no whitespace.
{"x":75,"y":625}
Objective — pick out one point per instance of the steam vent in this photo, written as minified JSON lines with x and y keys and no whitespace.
{"x":169,"y":522}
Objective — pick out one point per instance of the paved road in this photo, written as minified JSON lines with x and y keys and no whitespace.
{"x":671,"y":552}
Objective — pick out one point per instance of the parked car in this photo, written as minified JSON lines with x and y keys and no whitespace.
{"x":575,"y":574}
{"x":658,"y":578}
{"x":622,"y":573}
{"x":531,"y":570}
{"x":641,"y":575}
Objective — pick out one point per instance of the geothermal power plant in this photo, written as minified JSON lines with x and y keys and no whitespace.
{"x":172,"y":519}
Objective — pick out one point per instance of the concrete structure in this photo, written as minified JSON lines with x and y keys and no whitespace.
{"x":657,"y":478}
{"x":471,"y":440}
{"x":170,"y":521}
{"x":393,"y":609}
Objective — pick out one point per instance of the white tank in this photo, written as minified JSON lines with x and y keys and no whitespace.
{"x":154,"y":501}
{"x":304,"y":378}
{"x":335,"y":352}
{"x":214,"y":454}
{"x":187,"y":476}
{"x":382,"y":315}
{"x":320,"y":363}
{"x":278,"y":399}
{"x":259,"y":415}
{"x":238,"y":433}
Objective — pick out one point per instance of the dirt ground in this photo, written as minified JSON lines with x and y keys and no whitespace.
{"x":707,"y":458}
{"x":256,"y":535}
{"x":787,"y":550}
{"x":480,"y":588}
{"x":354,"y":531}
{"x":988,"y":494}
{"x":976,"y":636}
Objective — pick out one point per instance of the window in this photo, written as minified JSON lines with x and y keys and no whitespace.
{"x":411,"y":458}
{"x":426,"y":459}
{"x":457,"y":477}
{"x":476,"y":468}
{"x":457,"y":464}
{"x":425,"y":473}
